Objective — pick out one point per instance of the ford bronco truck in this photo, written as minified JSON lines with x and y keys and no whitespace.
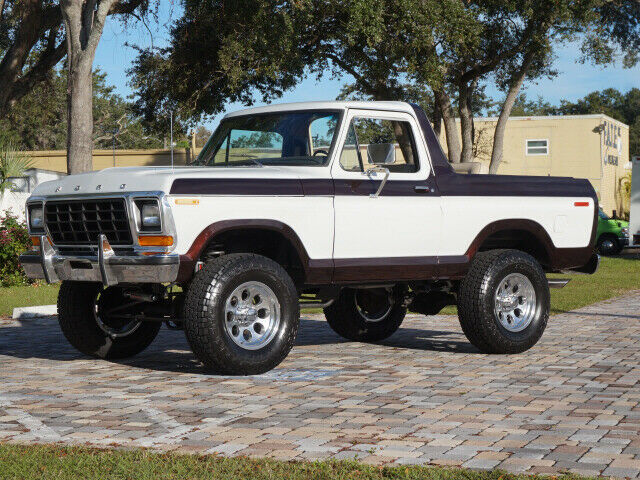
{"x":351,"y":207}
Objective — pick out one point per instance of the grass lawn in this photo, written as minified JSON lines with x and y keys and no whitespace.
{"x":66,"y":463}
{"x":26,"y":296}
{"x":615,"y":276}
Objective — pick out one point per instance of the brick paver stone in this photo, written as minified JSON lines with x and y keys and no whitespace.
{"x":424,"y":396}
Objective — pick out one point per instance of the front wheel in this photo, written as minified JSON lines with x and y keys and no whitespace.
{"x":503,"y":302}
{"x":241,"y":314}
{"x":101,"y":322}
{"x":366,"y":315}
{"x":608,"y":245}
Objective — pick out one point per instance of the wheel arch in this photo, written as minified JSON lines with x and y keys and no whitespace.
{"x":271,"y":238}
{"x":520,"y":234}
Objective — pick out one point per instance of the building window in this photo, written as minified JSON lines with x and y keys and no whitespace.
{"x":538,"y":147}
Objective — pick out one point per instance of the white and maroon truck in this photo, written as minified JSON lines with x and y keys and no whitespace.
{"x":350,"y":207}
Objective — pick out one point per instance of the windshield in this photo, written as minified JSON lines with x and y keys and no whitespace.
{"x":284,"y":138}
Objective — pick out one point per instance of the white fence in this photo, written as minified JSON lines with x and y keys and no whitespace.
{"x":13,"y":202}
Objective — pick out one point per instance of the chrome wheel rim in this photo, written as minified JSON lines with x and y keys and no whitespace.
{"x":375,"y":316}
{"x":608,"y":246}
{"x":252,"y":315}
{"x":515,"y":302}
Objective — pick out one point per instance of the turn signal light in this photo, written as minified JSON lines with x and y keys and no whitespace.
{"x":155,"y":241}
{"x":35,"y":241}
{"x":580,"y":204}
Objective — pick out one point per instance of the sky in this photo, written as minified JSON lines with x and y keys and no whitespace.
{"x":574,"y":80}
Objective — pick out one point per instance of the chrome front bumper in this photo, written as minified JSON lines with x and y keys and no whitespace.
{"x":106,"y":267}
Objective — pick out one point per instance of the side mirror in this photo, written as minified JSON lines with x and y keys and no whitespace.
{"x":381,"y":153}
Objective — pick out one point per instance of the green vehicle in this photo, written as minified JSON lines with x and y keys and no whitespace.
{"x":612,"y":235}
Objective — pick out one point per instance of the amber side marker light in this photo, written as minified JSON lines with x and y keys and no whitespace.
{"x":580,"y":204}
{"x":35,"y":241}
{"x":155,"y":241}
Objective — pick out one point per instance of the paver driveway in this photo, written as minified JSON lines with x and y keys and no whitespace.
{"x":424,"y":396}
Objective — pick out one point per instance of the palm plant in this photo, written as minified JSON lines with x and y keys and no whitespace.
{"x":13,"y":163}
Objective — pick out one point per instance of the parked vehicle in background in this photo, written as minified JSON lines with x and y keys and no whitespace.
{"x":353,"y":203}
{"x":613,"y":234}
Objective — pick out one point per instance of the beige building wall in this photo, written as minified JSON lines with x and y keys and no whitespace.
{"x":581,"y":146}
{"x":56,"y":160}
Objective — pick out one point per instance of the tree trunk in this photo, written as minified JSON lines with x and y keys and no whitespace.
{"x":84,"y":22}
{"x":450,"y":127}
{"x":79,"y":119}
{"x":437,"y":119}
{"x":466,"y":120}
{"x":505,"y":112}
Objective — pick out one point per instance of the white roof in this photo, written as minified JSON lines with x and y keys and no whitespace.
{"x":325,"y":105}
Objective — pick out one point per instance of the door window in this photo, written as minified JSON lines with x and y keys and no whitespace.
{"x":371,"y":137}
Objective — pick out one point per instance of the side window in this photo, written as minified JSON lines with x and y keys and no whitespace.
{"x":367,"y":135}
{"x":350,"y":158}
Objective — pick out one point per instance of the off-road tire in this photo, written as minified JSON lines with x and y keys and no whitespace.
{"x":476,"y":301}
{"x":602,"y":247}
{"x":204,"y":315}
{"x":345,"y":319}
{"x":76,"y":316}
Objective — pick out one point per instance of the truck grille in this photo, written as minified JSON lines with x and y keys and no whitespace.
{"x":80,"y":222}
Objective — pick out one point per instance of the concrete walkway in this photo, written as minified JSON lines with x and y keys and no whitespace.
{"x":423,"y":396}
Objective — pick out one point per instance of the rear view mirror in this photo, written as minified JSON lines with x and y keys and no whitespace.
{"x":381,"y":153}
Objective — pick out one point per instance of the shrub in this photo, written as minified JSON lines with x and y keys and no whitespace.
{"x":14,"y":240}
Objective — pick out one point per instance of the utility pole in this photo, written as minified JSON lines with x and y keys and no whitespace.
{"x":171,"y":122}
{"x":114,"y":146}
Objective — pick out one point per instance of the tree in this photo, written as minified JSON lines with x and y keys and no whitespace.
{"x":624,"y":107}
{"x":84,"y":22}
{"x":202,"y":135}
{"x":221,"y":52}
{"x":38,"y":120}
{"x":228,"y":51}
{"x":31,"y":44}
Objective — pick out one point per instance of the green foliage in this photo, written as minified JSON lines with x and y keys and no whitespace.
{"x":223,"y":52}
{"x":14,"y":240}
{"x":13,"y":163}
{"x":38,"y":121}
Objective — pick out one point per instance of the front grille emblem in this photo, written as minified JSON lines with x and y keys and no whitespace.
{"x":122,"y":186}
{"x":76,"y":188}
{"x":98,"y":187}
{"x":58,"y":189}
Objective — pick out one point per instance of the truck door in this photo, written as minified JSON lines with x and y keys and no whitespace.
{"x":392,"y":233}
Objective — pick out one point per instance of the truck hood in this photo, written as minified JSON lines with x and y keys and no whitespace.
{"x":159,"y":179}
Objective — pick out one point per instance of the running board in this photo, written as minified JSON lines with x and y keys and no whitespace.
{"x":558,"y":282}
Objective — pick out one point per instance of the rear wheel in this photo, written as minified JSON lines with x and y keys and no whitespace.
{"x":503,"y":302}
{"x":366,"y":315}
{"x":99,"y":321}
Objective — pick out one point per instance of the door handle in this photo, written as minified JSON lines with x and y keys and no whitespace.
{"x":423,"y":189}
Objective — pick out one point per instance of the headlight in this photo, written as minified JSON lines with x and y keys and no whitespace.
{"x":150,"y":216}
{"x":625,"y":231}
{"x":36,"y":218}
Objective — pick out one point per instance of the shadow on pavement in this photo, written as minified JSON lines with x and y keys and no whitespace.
{"x":170,"y":351}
